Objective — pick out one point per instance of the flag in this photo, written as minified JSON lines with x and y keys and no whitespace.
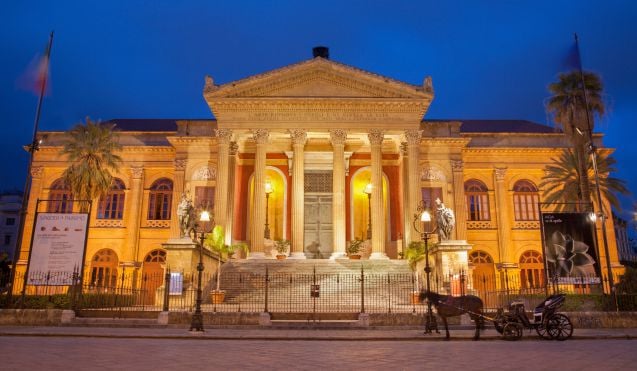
{"x":572,"y":60}
{"x":36,"y":76}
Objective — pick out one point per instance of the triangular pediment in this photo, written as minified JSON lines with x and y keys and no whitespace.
{"x":317,"y":78}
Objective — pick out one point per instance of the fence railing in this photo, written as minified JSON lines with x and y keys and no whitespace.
{"x":300,"y":293}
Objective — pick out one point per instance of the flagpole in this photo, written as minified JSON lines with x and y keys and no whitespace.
{"x":592,"y":149}
{"x":32,"y":148}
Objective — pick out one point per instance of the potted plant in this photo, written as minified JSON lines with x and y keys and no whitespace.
{"x":282,"y":247}
{"x":215,"y":241}
{"x":414,"y":254}
{"x":353,"y":248}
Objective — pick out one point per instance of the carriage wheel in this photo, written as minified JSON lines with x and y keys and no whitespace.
{"x":512,"y":331}
{"x":559,"y":327}
{"x":541,"y":330}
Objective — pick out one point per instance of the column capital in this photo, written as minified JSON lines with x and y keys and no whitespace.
{"x":137,"y":172}
{"x":298,"y":136}
{"x":376,"y":136}
{"x":36,"y":172}
{"x":500,"y":173}
{"x":413,"y":137}
{"x":180,"y":164}
{"x":261,"y":136}
{"x":457,"y":165}
{"x":224,"y":135}
{"x":338,"y":136}
{"x":234,"y":148}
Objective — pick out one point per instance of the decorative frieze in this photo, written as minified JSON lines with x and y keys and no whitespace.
{"x":431,"y":174}
{"x":157,"y":224}
{"x":482,"y":224}
{"x":109,"y":223}
{"x":205,"y":173}
{"x":529,"y":224}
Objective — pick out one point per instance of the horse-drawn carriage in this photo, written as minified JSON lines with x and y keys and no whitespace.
{"x":546,"y":322}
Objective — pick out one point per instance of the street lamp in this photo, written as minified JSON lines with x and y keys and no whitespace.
{"x":197,"y":318}
{"x":368,"y":190}
{"x":268,"y":190}
{"x":422,"y":224}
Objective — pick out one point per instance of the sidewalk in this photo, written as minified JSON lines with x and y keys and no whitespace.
{"x":261,"y":333}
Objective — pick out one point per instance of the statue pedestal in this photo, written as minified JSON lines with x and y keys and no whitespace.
{"x":452,"y":266}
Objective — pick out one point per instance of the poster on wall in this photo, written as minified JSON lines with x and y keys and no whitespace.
{"x":57,"y":248}
{"x":569,"y":248}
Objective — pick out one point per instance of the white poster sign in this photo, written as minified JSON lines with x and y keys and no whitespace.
{"x":57,"y":248}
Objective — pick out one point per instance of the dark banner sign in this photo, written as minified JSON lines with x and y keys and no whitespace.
{"x":569,"y":247}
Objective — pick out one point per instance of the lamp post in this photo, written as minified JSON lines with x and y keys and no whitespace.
{"x":368,"y":190}
{"x":268,"y":190}
{"x":422,"y":224}
{"x":197,"y":318}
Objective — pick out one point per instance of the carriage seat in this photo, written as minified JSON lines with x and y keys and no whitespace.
{"x":516,"y":308}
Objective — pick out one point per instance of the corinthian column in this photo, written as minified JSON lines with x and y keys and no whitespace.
{"x":503,"y":214}
{"x":134,"y":200}
{"x":261,"y":137}
{"x":232,"y":164}
{"x":178,"y":189}
{"x":378,"y":213}
{"x":459,"y":200}
{"x":338,"y":138}
{"x":221,"y":189}
{"x":415,"y":194}
{"x":299,"y":138}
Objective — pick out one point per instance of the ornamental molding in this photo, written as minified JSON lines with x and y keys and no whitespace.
{"x":500,"y":173}
{"x":338,"y":137}
{"x":233,"y":149}
{"x":37,"y":171}
{"x":457,"y":165}
{"x":205,"y":173}
{"x":376,"y":137}
{"x":137,"y":172}
{"x":180,"y":164}
{"x":404,"y":149}
{"x":298,"y":136}
{"x":432,"y":174}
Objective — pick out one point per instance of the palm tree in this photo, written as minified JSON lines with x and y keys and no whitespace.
{"x":570,"y":112}
{"x":561,"y":184}
{"x":90,"y":149}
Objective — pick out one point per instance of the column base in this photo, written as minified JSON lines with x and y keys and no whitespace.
{"x":378,"y":256}
{"x":298,"y":255}
{"x":257,"y":255}
{"x":338,"y":255}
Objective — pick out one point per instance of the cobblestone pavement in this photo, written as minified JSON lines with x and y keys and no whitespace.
{"x":201,"y":353}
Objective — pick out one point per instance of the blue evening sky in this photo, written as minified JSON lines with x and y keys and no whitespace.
{"x":148,"y":59}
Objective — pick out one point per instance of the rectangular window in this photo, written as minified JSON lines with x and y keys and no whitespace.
{"x":429,"y":195}
{"x":10,"y":221}
{"x":205,"y":198}
{"x":478,"y":206}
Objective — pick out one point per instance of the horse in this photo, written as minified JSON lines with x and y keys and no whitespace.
{"x":451,"y":306}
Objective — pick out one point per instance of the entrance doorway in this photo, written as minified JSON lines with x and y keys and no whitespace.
{"x":318,"y":226}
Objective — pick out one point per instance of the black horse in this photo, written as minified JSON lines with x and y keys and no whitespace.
{"x":451,"y":306}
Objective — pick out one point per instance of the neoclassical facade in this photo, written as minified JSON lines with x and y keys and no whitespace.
{"x":315,"y":135}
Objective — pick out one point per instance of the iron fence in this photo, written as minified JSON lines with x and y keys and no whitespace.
{"x":317,"y":292}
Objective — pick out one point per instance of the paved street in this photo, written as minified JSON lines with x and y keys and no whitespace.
{"x":86,"y":353}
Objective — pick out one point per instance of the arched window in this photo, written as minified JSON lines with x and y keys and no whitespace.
{"x":477,"y":200}
{"x":526,"y":201}
{"x":531,"y":270}
{"x":156,"y":256}
{"x":60,"y":200}
{"x":112,"y":206}
{"x":160,"y":199}
{"x":104,"y":269}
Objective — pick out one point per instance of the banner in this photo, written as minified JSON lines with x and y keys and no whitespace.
{"x":57,"y":248}
{"x":569,"y":248}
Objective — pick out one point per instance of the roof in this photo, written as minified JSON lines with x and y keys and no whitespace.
{"x":500,"y":126}
{"x":144,"y":124}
